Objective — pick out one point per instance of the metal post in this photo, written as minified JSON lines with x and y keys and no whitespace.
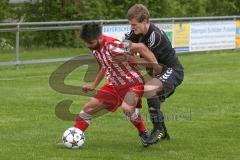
{"x":235,"y":20}
{"x":173,"y":26}
{"x":17,"y":47}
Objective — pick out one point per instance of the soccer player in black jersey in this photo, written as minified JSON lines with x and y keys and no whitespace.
{"x":167,"y":78}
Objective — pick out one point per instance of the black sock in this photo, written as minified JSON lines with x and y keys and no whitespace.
{"x":156,"y":114}
{"x":164,"y":126}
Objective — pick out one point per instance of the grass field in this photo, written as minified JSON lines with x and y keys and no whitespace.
{"x":203,"y":116}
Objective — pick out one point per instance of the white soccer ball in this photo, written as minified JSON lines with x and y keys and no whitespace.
{"x":73,"y":138}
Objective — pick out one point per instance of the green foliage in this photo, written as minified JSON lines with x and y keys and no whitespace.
{"x":5,"y":44}
{"x":186,"y":8}
{"x":74,"y":10}
{"x":55,"y":10}
{"x":60,"y":10}
{"x":5,"y":10}
{"x":223,"y":7}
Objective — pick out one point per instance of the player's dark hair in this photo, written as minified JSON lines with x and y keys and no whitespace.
{"x":138,"y":12}
{"x":90,"y":31}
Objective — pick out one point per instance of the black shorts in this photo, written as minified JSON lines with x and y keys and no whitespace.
{"x":171,"y":78}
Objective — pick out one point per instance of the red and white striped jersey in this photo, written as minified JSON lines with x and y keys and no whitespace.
{"x":118,"y":73}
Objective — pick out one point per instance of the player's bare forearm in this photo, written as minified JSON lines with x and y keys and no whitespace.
{"x":147,"y":55}
{"x":138,"y":60}
{"x":144,"y":52}
{"x":91,"y":86}
{"x":99,"y":77}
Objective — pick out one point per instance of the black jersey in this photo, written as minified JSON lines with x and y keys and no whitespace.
{"x":157,"y":41}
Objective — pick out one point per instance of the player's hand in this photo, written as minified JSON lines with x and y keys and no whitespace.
{"x":153,"y":72}
{"x":134,"y":47}
{"x":88,"y":87}
{"x":157,"y":69}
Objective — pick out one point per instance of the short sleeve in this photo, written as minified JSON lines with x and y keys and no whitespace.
{"x":132,"y":37}
{"x":154,"y":40}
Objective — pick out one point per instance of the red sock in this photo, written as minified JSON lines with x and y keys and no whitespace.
{"x":138,"y":123}
{"x":81,"y":124}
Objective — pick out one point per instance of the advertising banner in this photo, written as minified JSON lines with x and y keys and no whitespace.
{"x":181,"y":37}
{"x":214,"y":35}
{"x":168,"y":28}
{"x":116,"y":31}
{"x":237,"y":34}
{"x":119,"y":31}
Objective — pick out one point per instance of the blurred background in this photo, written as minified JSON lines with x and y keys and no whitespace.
{"x":19,"y":37}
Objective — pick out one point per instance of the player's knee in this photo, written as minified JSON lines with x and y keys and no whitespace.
{"x":150,"y":92}
{"x":128,"y":109}
{"x":89,"y":108}
{"x":152,"y":87}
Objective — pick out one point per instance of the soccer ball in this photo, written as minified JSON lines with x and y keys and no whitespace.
{"x":73,"y":138}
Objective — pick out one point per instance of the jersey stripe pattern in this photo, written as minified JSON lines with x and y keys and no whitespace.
{"x":118,"y":73}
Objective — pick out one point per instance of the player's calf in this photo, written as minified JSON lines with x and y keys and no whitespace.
{"x":137,"y":121}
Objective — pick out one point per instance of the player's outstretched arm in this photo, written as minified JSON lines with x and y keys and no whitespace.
{"x":147,"y":55}
{"x":98,"y":79}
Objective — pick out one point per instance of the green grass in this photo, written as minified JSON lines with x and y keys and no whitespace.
{"x":202,"y":116}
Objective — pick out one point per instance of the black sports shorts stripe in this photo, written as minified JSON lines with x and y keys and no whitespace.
{"x":171,"y":78}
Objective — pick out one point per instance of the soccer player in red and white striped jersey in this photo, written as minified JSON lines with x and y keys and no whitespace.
{"x":125,"y":83}
{"x":121,"y":73}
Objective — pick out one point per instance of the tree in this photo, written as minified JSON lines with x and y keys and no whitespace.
{"x":74,"y":10}
{"x":5,"y":10}
{"x":223,"y":7}
{"x":186,"y":8}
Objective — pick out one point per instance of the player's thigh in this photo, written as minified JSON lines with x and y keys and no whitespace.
{"x":129,"y":103}
{"x":152,"y":87}
{"x":94,"y":106}
{"x":130,"y":99}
